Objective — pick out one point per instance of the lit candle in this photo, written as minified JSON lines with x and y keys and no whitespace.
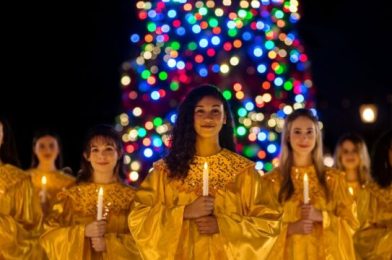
{"x":43,"y":189}
{"x":306,"y":189}
{"x":205,"y":179}
{"x":351,"y":191}
{"x":100,"y":204}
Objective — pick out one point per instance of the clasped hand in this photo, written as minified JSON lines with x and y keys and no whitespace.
{"x":309,"y":215}
{"x":201,"y":211}
{"x":95,"y":231}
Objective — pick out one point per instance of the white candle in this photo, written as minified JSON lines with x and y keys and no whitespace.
{"x":43,"y":189}
{"x":100,"y":204}
{"x":205,"y":179}
{"x":306,"y":189}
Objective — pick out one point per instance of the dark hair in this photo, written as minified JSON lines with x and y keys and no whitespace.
{"x":182,"y":150}
{"x":286,"y":156}
{"x":101,"y":131}
{"x":8,"y":151}
{"x":381,"y":166}
{"x":38,"y":135}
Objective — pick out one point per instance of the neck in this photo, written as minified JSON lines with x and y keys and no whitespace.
{"x":351,"y":175}
{"x":47,"y":166}
{"x":300,"y":160}
{"x":207,"y":147}
{"x":103,"y":177}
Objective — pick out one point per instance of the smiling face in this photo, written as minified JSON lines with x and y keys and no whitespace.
{"x":103,"y":155}
{"x":349,"y":157}
{"x":209,"y":117}
{"x":302,"y":136}
{"x":46,"y":149}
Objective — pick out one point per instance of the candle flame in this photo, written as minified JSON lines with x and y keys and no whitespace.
{"x":351,"y":190}
{"x":100,"y":192}
{"x":43,"y":180}
{"x":205,"y":165}
{"x":305,"y":177}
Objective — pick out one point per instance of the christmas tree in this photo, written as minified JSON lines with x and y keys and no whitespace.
{"x":249,"y":49}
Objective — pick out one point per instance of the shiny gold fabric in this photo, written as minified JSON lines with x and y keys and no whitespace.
{"x":20,"y":216}
{"x":157,"y":223}
{"x":331,"y":239}
{"x":64,"y":229}
{"x":374,"y":238}
{"x":56,"y":182}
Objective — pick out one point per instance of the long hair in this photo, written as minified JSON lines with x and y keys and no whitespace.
{"x":109,"y":134}
{"x":8,"y":151}
{"x":360,"y":145}
{"x":183,"y":139}
{"x":286,"y":161}
{"x":381,"y":165}
{"x":38,"y":135}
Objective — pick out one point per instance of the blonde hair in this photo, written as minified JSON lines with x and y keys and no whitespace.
{"x":363,"y":170}
{"x":286,"y":155}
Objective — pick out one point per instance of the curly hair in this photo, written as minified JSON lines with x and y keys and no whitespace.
{"x":108,"y":133}
{"x":381,"y":165}
{"x":183,"y":138}
{"x":8,"y":151}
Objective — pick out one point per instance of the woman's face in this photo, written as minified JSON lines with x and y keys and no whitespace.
{"x":103,"y":155}
{"x":209,"y":117}
{"x":349,"y":156}
{"x":302,"y":136}
{"x":46,"y":149}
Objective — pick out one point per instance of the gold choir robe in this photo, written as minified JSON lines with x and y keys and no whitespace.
{"x":64,"y":236}
{"x":20,"y":215}
{"x":374,"y":238}
{"x":157,"y":224}
{"x":331,"y":239}
{"x":56,"y":182}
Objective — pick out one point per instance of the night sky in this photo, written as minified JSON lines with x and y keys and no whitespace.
{"x":76,"y":49}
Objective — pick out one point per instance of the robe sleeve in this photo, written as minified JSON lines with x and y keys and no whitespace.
{"x":120,"y":247}
{"x":62,"y":239}
{"x":155,"y":226}
{"x":373,"y":240}
{"x":340,"y":219}
{"x":20,"y":222}
{"x":251,"y":220}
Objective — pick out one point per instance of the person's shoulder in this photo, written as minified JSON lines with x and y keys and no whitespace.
{"x":12,"y":174}
{"x":236,"y":159}
{"x":272,"y":176}
{"x":333,"y":174}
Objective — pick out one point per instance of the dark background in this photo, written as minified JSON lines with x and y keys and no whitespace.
{"x":61,"y":66}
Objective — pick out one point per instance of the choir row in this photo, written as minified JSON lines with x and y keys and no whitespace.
{"x":202,"y":200}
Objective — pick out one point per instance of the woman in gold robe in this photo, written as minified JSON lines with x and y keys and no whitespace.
{"x":374,"y":238}
{"x":46,"y":174}
{"x":20,"y":213}
{"x":89,"y":221}
{"x":352,"y":158}
{"x":175,"y":215}
{"x":319,"y":216}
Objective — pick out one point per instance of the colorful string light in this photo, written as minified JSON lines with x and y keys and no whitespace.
{"x":250,"y":49}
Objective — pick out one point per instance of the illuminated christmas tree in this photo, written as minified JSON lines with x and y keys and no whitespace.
{"x":249,"y":49}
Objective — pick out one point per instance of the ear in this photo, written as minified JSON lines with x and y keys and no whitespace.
{"x":86,"y":157}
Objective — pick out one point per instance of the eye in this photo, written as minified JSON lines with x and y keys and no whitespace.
{"x":94,"y":150}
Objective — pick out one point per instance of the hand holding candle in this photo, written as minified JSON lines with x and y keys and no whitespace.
{"x":306,"y":189}
{"x":100,"y":204}
{"x":205,"y":179}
